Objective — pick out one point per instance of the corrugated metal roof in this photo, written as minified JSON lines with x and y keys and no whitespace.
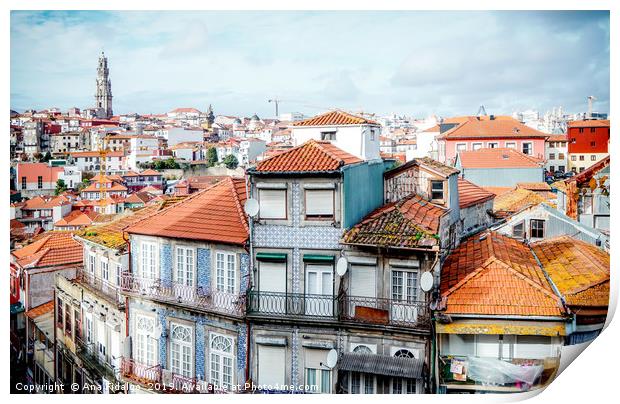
{"x":382,"y":365}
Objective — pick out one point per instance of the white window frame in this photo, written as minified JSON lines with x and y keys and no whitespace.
{"x":492,"y":145}
{"x":221,"y":359}
{"x":182,"y":355}
{"x":92,"y":263}
{"x":260,"y":198}
{"x":458,"y":147}
{"x":105,"y":269}
{"x":146,"y":261}
{"x":476,"y":146}
{"x":226,"y":272}
{"x":364,"y":379}
{"x":185,"y":266}
{"x":530,"y":148}
{"x":146,"y":346}
{"x":511,"y":145}
{"x":319,"y":375}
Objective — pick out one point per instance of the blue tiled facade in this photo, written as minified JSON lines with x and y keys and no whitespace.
{"x":244,"y":269}
{"x":241,"y":348}
{"x":166,"y":264}
{"x":134,"y":255}
{"x":163,"y":360}
{"x":200,"y":351}
{"x":203,"y":268}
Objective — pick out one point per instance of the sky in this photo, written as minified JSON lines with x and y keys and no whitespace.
{"x":413,"y":63}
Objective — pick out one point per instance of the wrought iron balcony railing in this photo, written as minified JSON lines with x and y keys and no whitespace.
{"x":368,"y":310}
{"x":176,"y":293}
{"x":98,"y":284}
{"x":145,"y":375}
{"x":291,"y":304}
{"x":91,"y":358}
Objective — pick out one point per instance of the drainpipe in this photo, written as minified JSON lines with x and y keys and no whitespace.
{"x":55,"y":342}
{"x":249,"y":284}
{"x":127,"y":297}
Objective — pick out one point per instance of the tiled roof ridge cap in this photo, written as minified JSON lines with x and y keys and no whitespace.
{"x":240,"y":210}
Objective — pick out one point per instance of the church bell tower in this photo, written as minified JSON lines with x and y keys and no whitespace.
{"x":103,"y":97}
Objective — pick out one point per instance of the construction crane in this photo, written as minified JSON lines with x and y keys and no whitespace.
{"x":275,"y":101}
{"x":103,"y":154}
{"x":591,"y":100}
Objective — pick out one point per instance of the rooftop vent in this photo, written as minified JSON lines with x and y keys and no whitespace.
{"x":505,"y":157}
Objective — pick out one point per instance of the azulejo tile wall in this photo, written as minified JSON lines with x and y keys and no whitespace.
{"x":203,"y":262}
{"x":166,"y":264}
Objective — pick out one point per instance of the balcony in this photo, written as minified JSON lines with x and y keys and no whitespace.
{"x":354,"y":309}
{"x":184,"y":295}
{"x":91,"y":360}
{"x":100,"y":286}
{"x":144,"y":375}
{"x":381,"y":311}
{"x":274,"y":304}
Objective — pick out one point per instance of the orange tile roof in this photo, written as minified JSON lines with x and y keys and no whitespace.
{"x":579,"y":270}
{"x":593,"y":123}
{"x":214,"y":214}
{"x":336,"y":117}
{"x":471,"y":194}
{"x":33,"y":170}
{"x":111,"y":234}
{"x":75,"y":218}
{"x":312,"y":156}
{"x":45,"y":202}
{"x":116,"y":187}
{"x":150,"y":172}
{"x":486,"y":128}
{"x":96,"y":154}
{"x":498,"y":190}
{"x":558,"y":138}
{"x":52,"y":248}
{"x":534,"y":186}
{"x":515,"y":201}
{"x":130,"y":174}
{"x":491,"y":274}
{"x":497,"y":158}
{"x":138,"y":197}
{"x":409,"y":223}
{"x":40,"y":310}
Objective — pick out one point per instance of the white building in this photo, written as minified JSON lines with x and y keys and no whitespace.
{"x":90,"y":161}
{"x":176,"y":135}
{"x":249,"y":150}
{"x":142,"y":148}
{"x":353,"y":134}
{"x":556,"y":153}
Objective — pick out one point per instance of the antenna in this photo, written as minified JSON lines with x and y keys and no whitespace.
{"x":481,"y":111}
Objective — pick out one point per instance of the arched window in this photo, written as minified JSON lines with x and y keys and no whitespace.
{"x":182,"y":347}
{"x":362,"y":349}
{"x":404,"y":353}
{"x":221,"y":359}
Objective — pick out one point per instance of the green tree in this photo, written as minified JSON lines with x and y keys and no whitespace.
{"x":60,"y":186}
{"x":171,"y":163}
{"x":47,"y":157}
{"x":85,"y":182}
{"x":231,"y":162}
{"x":211,"y":157}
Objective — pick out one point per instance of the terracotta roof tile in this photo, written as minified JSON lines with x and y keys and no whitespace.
{"x":45,"y":202}
{"x":487,"y":128}
{"x":40,"y":310}
{"x":534,"y":186}
{"x":214,"y":214}
{"x":515,"y":201}
{"x":497,"y":158}
{"x":75,"y":218}
{"x":498,"y":190}
{"x":495,"y":275}
{"x":471,"y":194}
{"x":425,"y":162}
{"x":336,"y":117}
{"x":592,"y":123}
{"x":312,"y":156}
{"x":53,"y":248}
{"x":408,"y":223}
{"x":33,"y":170}
{"x":578,"y":269}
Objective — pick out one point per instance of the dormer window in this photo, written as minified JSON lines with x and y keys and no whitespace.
{"x":328,"y":135}
{"x":437,"y":192}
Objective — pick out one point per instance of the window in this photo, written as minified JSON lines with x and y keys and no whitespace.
{"x":105,"y":273}
{"x":560,"y":156}
{"x":527,"y":148}
{"x":476,"y":146}
{"x":582,"y":158}
{"x":185,"y":266}
{"x":181,"y":347}
{"x":271,"y":365}
{"x":319,"y":203}
{"x":401,"y":385}
{"x":225,"y":264}
{"x":24,"y":183}
{"x":145,"y":347}
{"x":592,"y":130}
{"x":518,"y":230}
{"x":492,"y":145}
{"x":272,"y":203}
{"x":593,"y":144}
{"x":91,"y":264}
{"x":363,"y":349}
{"x":461,"y":147}
{"x":551,"y":156}
{"x":372,"y":134}
{"x":318,"y":380}
{"x":552,"y":168}
{"x":586,"y":204}
{"x":60,"y":319}
{"x":593,"y":157}
{"x":329,"y":135}
{"x":404,"y":353}
{"x":437,"y":190}
{"x":88,"y":329}
{"x":119,"y":271}
{"x":148,"y":260}
{"x":537,"y":228}
{"x":68,"y":324}
{"x":40,"y":182}
{"x":580,"y":130}
{"x":221,"y":358}
{"x":405,"y":286}
{"x":573,"y":158}
{"x":561,"y":168}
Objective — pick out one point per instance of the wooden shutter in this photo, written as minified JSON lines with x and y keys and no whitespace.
{"x":271,"y":365}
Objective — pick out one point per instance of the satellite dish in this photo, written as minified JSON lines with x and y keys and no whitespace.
{"x":426,"y":281}
{"x":341,"y":266}
{"x":251,"y":207}
{"x":332,"y":358}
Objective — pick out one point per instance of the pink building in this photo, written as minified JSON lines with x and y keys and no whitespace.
{"x":473,"y":133}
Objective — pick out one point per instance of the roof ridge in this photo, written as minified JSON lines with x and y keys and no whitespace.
{"x":329,"y":153}
{"x":231,"y":183}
